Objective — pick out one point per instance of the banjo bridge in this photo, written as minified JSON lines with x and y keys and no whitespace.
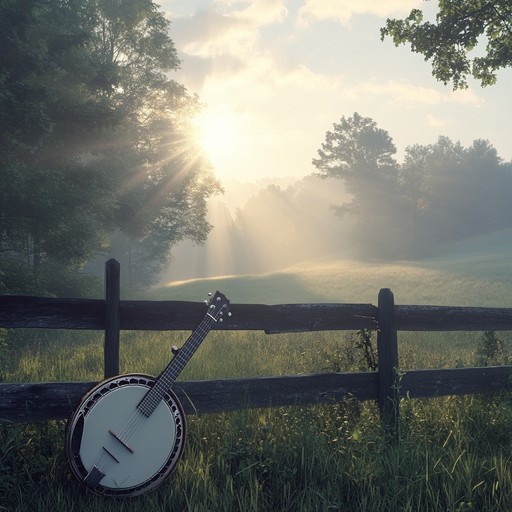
{"x":117,"y":438}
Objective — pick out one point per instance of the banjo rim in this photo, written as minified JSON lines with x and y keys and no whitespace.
{"x":88,"y":401}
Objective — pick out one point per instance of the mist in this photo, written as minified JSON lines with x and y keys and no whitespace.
{"x":440,"y":194}
{"x":105,"y":161}
{"x":273,"y":227}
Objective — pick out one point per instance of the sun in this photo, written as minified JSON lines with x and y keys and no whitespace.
{"x":219,"y":134}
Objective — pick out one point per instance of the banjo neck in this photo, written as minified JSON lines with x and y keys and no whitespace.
{"x":165,"y":381}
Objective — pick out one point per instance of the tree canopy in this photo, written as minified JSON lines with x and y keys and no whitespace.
{"x":441,"y":192}
{"x":461,"y":26}
{"x":356,"y":146}
{"x":362,"y":155}
{"x":94,"y":133}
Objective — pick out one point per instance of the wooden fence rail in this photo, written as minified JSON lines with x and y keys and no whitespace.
{"x":43,"y":401}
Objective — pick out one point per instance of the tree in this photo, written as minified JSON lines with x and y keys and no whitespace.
{"x":471,"y":199}
{"x":361,"y":154}
{"x":461,"y":26}
{"x":94,"y":134}
{"x":355,"y":149}
{"x":440,"y":193}
{"x":53,"y":203}
{"x":415,"y":192}
{"x":451,"y":192}
{"x":167,"y":178}
{"x":430,"y":182}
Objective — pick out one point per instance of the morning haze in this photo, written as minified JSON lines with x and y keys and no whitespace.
{"x":412,"y":166}
{"x":241,"y":138}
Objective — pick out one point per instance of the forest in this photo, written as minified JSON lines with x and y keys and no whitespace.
{"x":99,"y":159}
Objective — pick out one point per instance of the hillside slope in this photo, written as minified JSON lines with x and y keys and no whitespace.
{"x":475,"y":272}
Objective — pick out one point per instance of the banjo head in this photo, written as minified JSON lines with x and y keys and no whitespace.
{"x":134,"y":452}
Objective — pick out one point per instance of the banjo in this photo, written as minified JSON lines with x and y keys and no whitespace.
{"x":128,"y":433}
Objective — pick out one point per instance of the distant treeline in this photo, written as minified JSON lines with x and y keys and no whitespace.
{"x":367,"y":205}
{"x":441,"y":192}
{"x":277,"y":226}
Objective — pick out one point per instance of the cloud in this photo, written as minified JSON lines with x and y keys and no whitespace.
{"x":226,"y":27}
{"x":263,"y":12}
{"x":408,"y":93}
{"x":224,"y":39}
{"x":343,"y":10}
{"x":435,"y":122}
{"x":209,"y":33}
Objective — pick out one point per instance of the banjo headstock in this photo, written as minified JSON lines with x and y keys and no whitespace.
{"x":218,"y":306}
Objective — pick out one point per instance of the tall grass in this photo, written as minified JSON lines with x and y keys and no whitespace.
{"x":449,"y":457}
{"x":452,"y":453}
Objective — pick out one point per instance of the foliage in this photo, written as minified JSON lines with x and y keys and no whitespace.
{"x":441,"y":191}
{"x":450,"y":192}
{"x":354,"y":352}
{"x":361,"y":154}
{"x":491,"y":350}
{"x":460,"y":27}
{"x":358,"y":152}
{"x":95,"y":135}
{"x":51,"y":279}
{"x":365,"y":345}
{"x":49,"y":198}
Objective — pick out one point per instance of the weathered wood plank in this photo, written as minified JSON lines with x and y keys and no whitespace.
{"x":18,"y":311}
{"x":43,"y":401}
{"x":54,"y":313}
{"x":455,"y":381}
{"x":269,"y":318}
{"x":51,"y":313}
{"x":36,"y":401}
{"x":231,"y":394}
{"x":452,"y":318}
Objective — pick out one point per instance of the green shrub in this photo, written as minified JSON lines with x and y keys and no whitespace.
{"x":491,"y":350}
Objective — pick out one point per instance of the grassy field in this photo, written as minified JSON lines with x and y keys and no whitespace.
{"x":473,"y":273}
{"x":453,"y":454}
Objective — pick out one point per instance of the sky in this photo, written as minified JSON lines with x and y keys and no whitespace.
{"x":275,"y":76}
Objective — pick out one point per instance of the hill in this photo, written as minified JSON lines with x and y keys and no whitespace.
{"x":475,"y":272}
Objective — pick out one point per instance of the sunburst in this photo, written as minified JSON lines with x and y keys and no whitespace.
{"x":219,"y":132}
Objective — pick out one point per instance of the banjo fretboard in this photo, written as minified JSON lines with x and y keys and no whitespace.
{"x":167,"y":378}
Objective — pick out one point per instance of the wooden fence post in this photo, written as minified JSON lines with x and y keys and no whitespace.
{"x":387,"y":348}
{"x":112,"y":318}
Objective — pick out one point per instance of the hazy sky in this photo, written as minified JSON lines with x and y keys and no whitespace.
{"x":277,"y":74}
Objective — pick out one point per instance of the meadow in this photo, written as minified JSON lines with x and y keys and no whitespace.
{"x":452,"y":453}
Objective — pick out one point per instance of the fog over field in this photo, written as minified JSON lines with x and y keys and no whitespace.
{"x":202,"y":139}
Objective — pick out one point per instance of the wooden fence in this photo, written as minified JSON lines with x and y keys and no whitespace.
{"x":55,"y":400}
